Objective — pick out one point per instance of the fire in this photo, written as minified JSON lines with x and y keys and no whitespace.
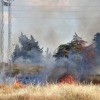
{"x":17,"y":83}
{"x":67,"y":79}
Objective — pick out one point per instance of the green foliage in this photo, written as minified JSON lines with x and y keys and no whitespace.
{"x":77,"y":44}
{"x":28,"y":49}
{"x":97,"y":42}
{"x":64,"y":49}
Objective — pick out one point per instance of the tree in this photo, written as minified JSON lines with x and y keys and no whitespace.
{"x":62,"y":51}
{"x":29,"y":49}
{"x":76,"y":45}
{"x":97,"y":42}
{"x":80,"y":43}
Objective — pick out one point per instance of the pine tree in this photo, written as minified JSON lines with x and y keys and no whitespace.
{"x":97,"y":42}
{"x":75,"y":46}
{"x":79,"y":42}
{"x":29,"y":49}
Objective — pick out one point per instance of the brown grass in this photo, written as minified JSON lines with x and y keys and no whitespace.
{"x":23,"y":69}
{"x":50,"y":92}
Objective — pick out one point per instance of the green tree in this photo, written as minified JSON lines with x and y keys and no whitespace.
{"x":29,"y":49}
{"x":97,"y":42}
{"x":77,"y":44}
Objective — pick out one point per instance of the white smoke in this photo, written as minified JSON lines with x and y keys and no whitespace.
{"x":4,"y":79}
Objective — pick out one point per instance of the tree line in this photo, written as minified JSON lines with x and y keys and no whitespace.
{"x":30,"y":49}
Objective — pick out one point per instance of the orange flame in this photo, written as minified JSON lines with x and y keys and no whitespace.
{"x":67,"y":79}
{"x":17,"y":83}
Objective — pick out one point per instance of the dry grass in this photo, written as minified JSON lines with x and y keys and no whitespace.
{"x":50,"y":92}
{"x":23,"y":69}
{"x":26,"y":68}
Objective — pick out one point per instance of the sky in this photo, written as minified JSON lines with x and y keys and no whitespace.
{"x":53,"y":22}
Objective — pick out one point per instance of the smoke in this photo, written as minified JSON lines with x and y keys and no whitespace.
{"x":53,"y":70}
{"x":90,"y":26}
{"x":48,"y":31}
{"x":4,"y":79}
{"x":70,"y":66}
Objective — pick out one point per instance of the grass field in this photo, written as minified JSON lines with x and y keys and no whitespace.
{"x":50,"y":92}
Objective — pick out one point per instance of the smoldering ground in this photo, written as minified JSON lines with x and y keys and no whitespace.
{"x":53,"y":70}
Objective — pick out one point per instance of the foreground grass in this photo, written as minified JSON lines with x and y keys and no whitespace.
{"x":50,"y":92}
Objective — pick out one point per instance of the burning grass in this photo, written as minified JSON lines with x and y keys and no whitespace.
{"x":67,"y":79}
{"x":50,"y":92}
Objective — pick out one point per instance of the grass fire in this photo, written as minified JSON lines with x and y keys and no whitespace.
{"x":49,"y":49}
{"x":71,"y":73}
{"x":67,"y":79}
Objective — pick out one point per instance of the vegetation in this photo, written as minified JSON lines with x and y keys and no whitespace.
{"x":78,"y":56}
{"x":50,"y":92}
{"x":29,"y":49}
{"x":96,"y":41}
{"x":77,"y":45}
{"x":25,"y":69}
{"x":83,"y":57}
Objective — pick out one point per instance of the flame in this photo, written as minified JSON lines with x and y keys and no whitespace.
{"x":17,"y":83}
{"x":67,"y":79}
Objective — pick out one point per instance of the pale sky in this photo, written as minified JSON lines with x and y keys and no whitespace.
{"x":55,"y":22}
